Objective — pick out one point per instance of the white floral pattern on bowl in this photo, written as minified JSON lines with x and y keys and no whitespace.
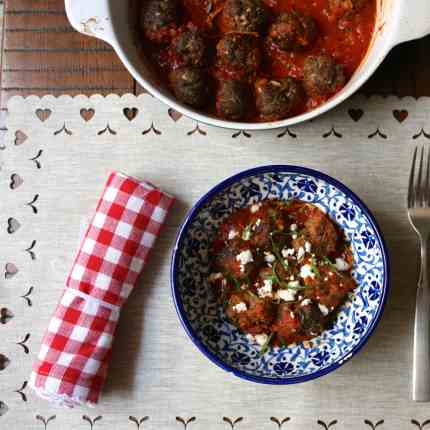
{"x":206,"y":323}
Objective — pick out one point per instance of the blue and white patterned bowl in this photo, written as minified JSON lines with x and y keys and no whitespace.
{"x":205,"y":321}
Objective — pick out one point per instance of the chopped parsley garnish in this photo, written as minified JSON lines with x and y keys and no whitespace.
{"x":278,"y":254}
{"x":283,"y":343}
{"x":234,"y":280}
{"x":332,"y":266}
{"x":266,"y":345}
{"x":247,"y":232}
{"x":274,"y":277}
{"x":314,"y":267}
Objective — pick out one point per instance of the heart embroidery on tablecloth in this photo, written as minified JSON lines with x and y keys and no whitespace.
{"x":13,"y":225}
{"x":10,"y":270}
{"x":355,"y":114}
{"x":400,"y":115}
{"x":43,"y":114}
{"x":175,"y":115}
{"x":130,"y":113}
{"x":87,"y":114}
{"x":20,"y":137}
{"x":15,"y":181}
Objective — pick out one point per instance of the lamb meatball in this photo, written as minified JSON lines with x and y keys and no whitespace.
{"x":322,"y":75}
{"x":277,"y":98}
{"x":189,"y":48}
{"x":244,"y":15}
{"x":190,"y":86}
{"x":158,"y":19}
{"x":233,"y":100}
{"x":238,"y":56}
{"x":251,"y":313}
{"x":293,"y":31}
{"x":341,"y":7}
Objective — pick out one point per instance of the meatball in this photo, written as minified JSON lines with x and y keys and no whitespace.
{"x":189,"y":48}
{"x":244,"y":15}
{"x":342,"y":7}
{"x":233,"y":100}
{"x":293,"y":31}
{"x":251,"y":313}
{"x":312,"y":321}
{"x":321,"y":232}
{"x":277,"y":98}
{"x":158,"y":19}
{"x":322,"y":75}
{"x":238,"y":55}
{"x":190,"y":86}
{"x":237,"y":261}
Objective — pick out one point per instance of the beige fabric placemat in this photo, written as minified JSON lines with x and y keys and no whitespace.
{"x":58,"y":153}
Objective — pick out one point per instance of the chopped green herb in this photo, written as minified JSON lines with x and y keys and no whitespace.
{"x":278,"y":254}
{"x":283,"y":343}
{"x":327,"y":262}
{"x":314,"y":267}
{"x":234,"y":280}
{"x":251,"y":293}
{"x":247,"y":232}
{"x":266,"y":345}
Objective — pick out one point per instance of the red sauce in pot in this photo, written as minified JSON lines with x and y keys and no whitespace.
{"x":345,"y":37}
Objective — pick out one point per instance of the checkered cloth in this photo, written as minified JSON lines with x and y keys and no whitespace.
{"x":71,"y":366}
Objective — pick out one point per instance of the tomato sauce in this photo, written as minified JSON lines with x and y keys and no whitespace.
{"x":281,"y":270}
{"x":345,"y":39}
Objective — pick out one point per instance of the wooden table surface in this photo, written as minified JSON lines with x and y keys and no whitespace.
{"x":42,"y":54}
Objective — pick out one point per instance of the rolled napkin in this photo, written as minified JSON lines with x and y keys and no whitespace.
{"x":72,"y":363}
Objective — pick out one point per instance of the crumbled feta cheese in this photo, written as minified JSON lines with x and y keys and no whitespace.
{"x":326,"y":279}
{"x":261,"y":339}
{"x":306,"y":271}
{"x":292,"y":278}
{"x":288,"y":252}
{"x":266,"y":289}
{"x":292,"y":316}
{"x":341,"y":265}
{"x":308,"y":246}
{"x":287,"y":295}
{"x":232,"y":234}
{"x":306,"y":302}
{"x":293,"y":227}
{"x":215,"y":276}
{"x":324,"y":309}
{"x":255,"y":207}
{"x":257,"y":223}
{"x":244,"y":286}
{"x":269,"y":257}
{"x":244,"y":258}
{"x":294,"y":236}
{"x":300,"y":253}
{"x":240,"y":307}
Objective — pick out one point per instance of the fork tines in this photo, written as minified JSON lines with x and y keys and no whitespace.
{"x":419,"y":182}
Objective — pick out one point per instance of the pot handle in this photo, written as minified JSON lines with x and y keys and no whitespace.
{"x":414,"y":20}
{"x":91,"y":17}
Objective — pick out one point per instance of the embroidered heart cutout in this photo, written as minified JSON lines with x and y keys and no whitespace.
{"x":43,"y":114}
{"x":87,"y":114}
{"x":175,"y":115}
{"x":20,"y":137}
{"x":15,"y":181}
{"x":13,"y":225}
{"x":10,"y":270}
{"x":400,"y":115}
{"x":130,"y":113}
{"x":356,"y":114}
{"x":5,"y":315}
{"x":4,"y":362}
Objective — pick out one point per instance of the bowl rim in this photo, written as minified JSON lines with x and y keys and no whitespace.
{"x":275,"y":168}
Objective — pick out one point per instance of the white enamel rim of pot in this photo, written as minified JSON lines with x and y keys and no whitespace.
{"x":397,"y":21}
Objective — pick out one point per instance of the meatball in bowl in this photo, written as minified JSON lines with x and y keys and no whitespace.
{"x":279,"y":274}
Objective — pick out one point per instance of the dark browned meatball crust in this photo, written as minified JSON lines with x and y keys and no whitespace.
{"x":276,"y":99}
{"x":159,"y":19}
{"x":244,"y":15}
{"x":233,"y":100}
{"x":190,"y":86}
{"x":322,"y":75}
{"x":293,"y":31}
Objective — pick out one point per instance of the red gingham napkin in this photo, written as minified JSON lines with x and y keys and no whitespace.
{"x":71,"y":366}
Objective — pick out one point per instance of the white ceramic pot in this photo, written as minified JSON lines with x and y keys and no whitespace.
{"x":113,"y":21}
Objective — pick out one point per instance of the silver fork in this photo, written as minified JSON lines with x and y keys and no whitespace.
{"x":419,"y":217}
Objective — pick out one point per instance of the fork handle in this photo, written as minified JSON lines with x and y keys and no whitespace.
{"x":421,"y":359}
